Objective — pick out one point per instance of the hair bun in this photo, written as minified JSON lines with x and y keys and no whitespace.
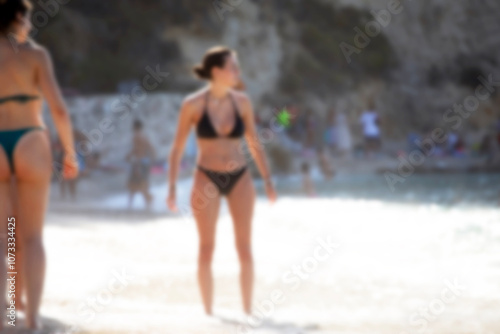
{"x":200,"y":72}
{"x":214,"y":57}
{"x":10,"y":10}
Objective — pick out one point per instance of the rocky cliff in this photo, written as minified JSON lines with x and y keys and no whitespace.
{"x":426,"y":58}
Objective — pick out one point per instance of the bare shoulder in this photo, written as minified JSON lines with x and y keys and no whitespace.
{"x":242,"y":99}
{"x":36,"y":52}
{"x":194,"y":100}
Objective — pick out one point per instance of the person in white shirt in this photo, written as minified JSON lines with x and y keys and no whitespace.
{"x":370,"y":123}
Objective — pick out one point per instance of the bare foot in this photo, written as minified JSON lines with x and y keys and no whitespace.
{"x":20,"y":306}
{"x":210,"y":320}
{"x":33,"y":323}
{"x":253,"y":320}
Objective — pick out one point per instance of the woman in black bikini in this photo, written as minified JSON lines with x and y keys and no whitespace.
{"x":25,"y":158}
{"x":222,"y":117}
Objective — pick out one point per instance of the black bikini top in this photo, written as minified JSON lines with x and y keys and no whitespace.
{"x":21,"y":98}
{"x":205,"y":129}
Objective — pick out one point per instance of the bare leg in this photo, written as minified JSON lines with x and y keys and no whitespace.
{"x":72,"y":189}
{"x":19,"y":253}
{"x":241,"y":202}
{"x":205,"y":203}
{"x":33,"y":171}
{"x":148,"y":198}
{"x":5,"y":213}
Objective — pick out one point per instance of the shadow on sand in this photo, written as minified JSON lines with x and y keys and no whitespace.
{"x":50,"y":326}
{"x":268,"y":325}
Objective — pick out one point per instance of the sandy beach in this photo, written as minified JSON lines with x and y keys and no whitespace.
{"x":323,"y":265}
{"x":378,"y":123}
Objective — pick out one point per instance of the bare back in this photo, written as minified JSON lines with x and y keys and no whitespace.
{"x":19,"y":66}
{"x":141,"y":147}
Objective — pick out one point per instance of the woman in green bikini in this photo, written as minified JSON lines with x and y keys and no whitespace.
{"x":25,"y":157}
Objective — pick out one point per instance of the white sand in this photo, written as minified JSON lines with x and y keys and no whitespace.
{"x":393,"y":262}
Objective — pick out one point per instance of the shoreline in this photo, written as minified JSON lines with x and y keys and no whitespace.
{"x":105,"y":196}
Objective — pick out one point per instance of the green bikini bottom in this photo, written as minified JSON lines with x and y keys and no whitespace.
{"x":9,"y":140}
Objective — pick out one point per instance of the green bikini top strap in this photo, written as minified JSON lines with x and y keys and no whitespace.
{"x":19,"y":98}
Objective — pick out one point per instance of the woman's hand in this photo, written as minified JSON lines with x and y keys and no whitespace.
{"x":172,"y":201}
{"x":270,"y":191}
{"x":70,"y":166}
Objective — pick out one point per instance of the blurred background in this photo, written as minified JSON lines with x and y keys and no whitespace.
{"x":381,"y":123}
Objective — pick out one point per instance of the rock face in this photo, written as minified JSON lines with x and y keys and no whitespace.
{"x":259,"y":46}
{"x":107,"y":120}
{"x":290,"y":54}
{"x":442,"y":47}
{"x":435,"y":32}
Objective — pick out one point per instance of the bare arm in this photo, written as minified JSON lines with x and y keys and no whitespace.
{"x":256,"y":148}
{"x":252,"y":139}
{"x":50,"y":89}
{"x":129,"y":155}
{"x":177,"y":150}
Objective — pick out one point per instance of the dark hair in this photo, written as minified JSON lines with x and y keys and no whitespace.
{"x":214,"y":57}
{"x":138,"y":125}
{"x":9,"y":10}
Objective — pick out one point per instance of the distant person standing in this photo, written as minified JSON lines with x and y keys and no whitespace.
{"x":344,"y":138}
{"x":311,"y":131}
{"x":307,"y":183}
{"x":141,"y":158}
{"x":295,"y":127}
{"x":310,"y":135}
{"x":330,"y":134}
{"x":486,"y":148}
{"x":452,"y":143}
{"x":325,"y":163}
{"x":370,"y":122}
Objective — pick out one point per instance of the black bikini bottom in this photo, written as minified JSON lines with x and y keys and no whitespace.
{"x":224,"y":181}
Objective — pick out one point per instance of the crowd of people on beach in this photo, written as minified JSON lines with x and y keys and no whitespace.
{"x":325,"y":140}
{"x":457,"y":145}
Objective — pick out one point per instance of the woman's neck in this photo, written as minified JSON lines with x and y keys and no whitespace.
{"x":218,"y":91}
{"x":7,"y":37}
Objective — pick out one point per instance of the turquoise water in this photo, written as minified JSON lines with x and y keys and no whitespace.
{"x":455,"y":190}
{"x":451,"y":189}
